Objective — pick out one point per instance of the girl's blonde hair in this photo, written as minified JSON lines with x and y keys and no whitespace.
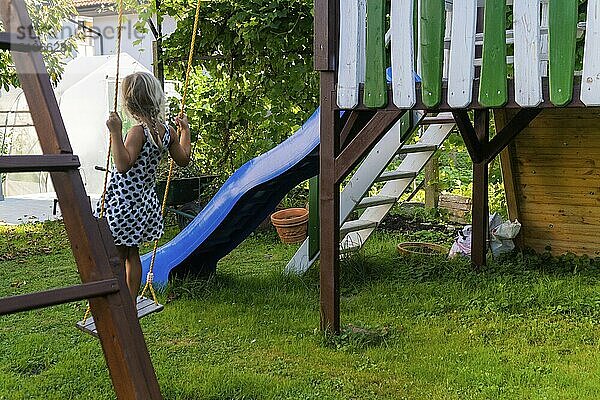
{"x":144,"y":99}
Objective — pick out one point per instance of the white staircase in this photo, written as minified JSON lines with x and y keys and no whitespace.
{"x":354,"y":196}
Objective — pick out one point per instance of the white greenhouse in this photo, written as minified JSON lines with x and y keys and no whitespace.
{"x":85,"y":95}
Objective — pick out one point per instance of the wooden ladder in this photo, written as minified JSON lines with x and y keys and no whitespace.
{"x":100,"y":268}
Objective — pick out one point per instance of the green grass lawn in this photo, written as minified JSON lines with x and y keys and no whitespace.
{"x":414,"y":328}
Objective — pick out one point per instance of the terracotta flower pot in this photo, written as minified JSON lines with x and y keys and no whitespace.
{"x":291,"y":224}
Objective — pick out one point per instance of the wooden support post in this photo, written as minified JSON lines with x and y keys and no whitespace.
{"x":463,"y":123}
{"x":480,"y":213}
{"x":432,"y":177}
{"x":329,"y":190}
{"x":326,"y":44}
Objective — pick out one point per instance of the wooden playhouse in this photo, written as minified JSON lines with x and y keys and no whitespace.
{"x":551,"y":175}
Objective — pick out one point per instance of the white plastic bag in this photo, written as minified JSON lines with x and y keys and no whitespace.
{"x":502,"y":235}
{"x":462,"y":244}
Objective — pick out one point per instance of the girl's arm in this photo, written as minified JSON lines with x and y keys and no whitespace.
{"x":124,"y":153}
{"x":181,"y":147}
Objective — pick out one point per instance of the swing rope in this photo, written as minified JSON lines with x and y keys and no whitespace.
{"x":150,"y":276}
{"x":116,"y":99}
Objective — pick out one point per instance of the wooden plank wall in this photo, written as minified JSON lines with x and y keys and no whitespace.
{"x":554,"y":168}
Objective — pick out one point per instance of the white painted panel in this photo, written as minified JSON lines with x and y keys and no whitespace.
{"x":447,"y":32}
{"x":419,"y":35}
{"x":590,"y":81}
{"x":528,"y":76}
{"x":402,"y":49}
{"x":462,"y":53}
{"x":362,"y":40}
{"x":544,"y":38}
{"x":348,"y":73}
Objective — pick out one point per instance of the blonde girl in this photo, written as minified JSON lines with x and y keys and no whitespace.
{"x":132,"y":208}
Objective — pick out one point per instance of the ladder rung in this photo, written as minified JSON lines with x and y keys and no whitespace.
{"x":375,"y":201}
{"x":16,"y":42}
{"x":437,"y":120}
{"x":356,"y":225}
{"x":35,"y":163}
{"x":417,"y":148}
{"x":9,"y":305}
{"x":396,"y":175}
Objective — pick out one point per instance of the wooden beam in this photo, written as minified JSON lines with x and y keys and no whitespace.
{"x":9,"y":305}
{"x":34,"y":163}
{"x":469,"y":135}
{"x":329,"y":210}
{"x":378,"y":126}
{"x":508,"y":177}
{"x":355,"y":121}
{"x":519,"y":122}
{"x":326,"y":47}
{"x":348,"y":121}
{"x":96,"y":256}
{"x":326,"y":35}
{"x":480,"y":211}
{"x":475,"y":105}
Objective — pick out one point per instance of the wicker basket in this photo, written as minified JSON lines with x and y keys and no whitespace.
{"x":291,"y":224}
{"x":421,"y":248}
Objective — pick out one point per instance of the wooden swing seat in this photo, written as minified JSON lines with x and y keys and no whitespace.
{"x":145,"y":306}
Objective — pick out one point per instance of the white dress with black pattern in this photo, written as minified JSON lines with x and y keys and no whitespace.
{"x":132,"y":208}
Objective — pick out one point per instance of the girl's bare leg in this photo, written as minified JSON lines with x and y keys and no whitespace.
{"x":133,"y":269}
{"x":133,"y":266}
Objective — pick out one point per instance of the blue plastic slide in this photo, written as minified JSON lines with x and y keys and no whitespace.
{"x":248,"y":197}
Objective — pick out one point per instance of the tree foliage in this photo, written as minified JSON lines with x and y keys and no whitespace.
{"x":48,"y":17}
{"x":252,"y":84}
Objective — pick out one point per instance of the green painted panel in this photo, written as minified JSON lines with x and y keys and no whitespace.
{"x":313,"y":217}
{"x":375,"y":81}
{"x":433,"y":23}
{"x":563,"y":32}
{"x":493,"y":90}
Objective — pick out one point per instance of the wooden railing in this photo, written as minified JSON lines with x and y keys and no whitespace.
{"x":435,"y":41}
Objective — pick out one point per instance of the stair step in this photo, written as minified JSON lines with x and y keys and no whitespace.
{"x":375,"y":201}
{"x":437,"y":120}
{"x":356,"y":225}
{"x":395,"y":175}
{"x":350,"y":249}
{"x":417,"y":148}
